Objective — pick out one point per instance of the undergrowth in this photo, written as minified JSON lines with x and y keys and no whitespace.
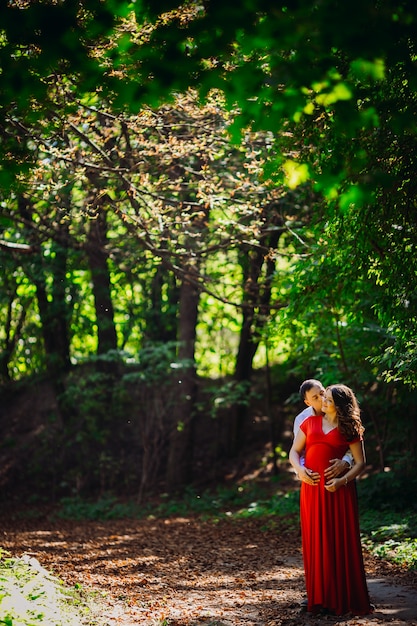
{"x":242,"y":501}
{"x":388,"y":517}
{"x":388,"y":530}
{"x":32,"y":596}
{"x":391,"y":536}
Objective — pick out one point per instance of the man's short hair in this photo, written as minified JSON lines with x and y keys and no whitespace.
{"x":307,"y":385}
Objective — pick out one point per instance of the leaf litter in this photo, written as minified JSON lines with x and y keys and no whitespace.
{"x":186,"y":571}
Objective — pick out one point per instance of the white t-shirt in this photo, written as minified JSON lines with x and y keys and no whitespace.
{"x":300,"y":418}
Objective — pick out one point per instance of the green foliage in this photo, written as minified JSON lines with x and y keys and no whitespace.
{"x":239,"y":501}
{"x":116,"y":418}
{"x":391,"y":535}
{"x":32,"y":596}
{"x":389,"y":491}
{"x":87,"y":396}
{"x":388,"y":517}
{"x":280,"y":504}
{"x":155,"y":362}
{"x":107,"y":507}
{"x":223,"y":396}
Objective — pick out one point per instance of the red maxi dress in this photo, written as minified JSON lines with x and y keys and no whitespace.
{"x":332,"y":551}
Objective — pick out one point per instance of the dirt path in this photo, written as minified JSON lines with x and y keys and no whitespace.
{"x":190,"y":572}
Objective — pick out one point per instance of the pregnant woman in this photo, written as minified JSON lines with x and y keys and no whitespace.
{"x":332,"y":551}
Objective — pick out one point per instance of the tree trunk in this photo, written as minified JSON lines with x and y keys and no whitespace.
{"x":162,"y":313}
{"x":255,"y":313}
{"x":180,"y":446}
{"x":100,"y":276}
{"x":15,"y":318}
{"x":53,"y":307}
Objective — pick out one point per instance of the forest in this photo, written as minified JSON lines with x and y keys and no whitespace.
{"x":201,"y":206}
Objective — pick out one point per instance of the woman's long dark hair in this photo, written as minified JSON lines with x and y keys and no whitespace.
{"x":347,"y":411}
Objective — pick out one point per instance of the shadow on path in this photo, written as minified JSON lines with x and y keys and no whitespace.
{"x":392,"y":601}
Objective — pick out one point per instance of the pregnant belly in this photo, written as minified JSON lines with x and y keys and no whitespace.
{"x":318,"y":456}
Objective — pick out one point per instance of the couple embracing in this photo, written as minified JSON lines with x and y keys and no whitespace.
{"x":328,"y":454}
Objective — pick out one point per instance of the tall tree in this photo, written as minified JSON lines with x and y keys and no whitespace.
{"x":258,"y":270}
{"x":53,"y":307}
{"x":100,"y":275}
{"x":303,"y":71}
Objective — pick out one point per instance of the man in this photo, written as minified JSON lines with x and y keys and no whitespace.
{"x":311,"y":392}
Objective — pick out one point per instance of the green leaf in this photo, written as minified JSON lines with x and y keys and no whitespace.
{"x":351,"y":198}
{"x":363,"y":69}
{"x":295,"y":173}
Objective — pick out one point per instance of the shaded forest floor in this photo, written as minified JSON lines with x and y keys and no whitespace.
{"x":187,"y":571}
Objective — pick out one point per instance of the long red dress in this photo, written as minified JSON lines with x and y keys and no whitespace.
{"x":332,"y":551}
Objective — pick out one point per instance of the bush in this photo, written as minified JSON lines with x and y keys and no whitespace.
{"x":388,"y":491}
